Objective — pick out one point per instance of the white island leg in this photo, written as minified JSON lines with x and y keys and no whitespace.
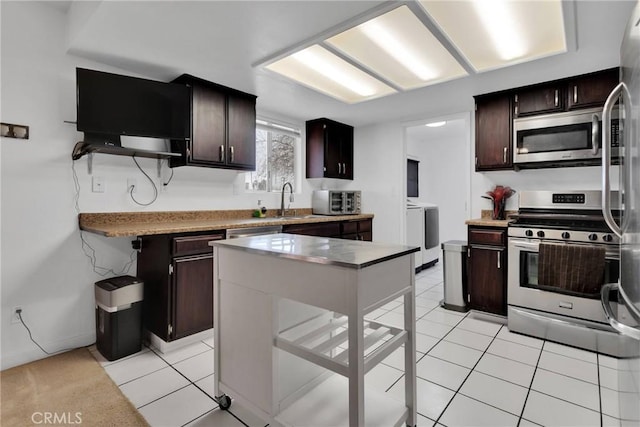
{"x":356,"y":360}
{"x":410,"y":351}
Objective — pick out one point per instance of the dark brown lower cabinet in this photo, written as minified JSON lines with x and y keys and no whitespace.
{"x":359,"y":229}
{"x":177,"y":270}
{"x":193,"y":295}
{"x":487,"y":270}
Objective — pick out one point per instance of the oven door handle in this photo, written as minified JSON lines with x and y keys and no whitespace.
{"x":611,"y":317}
{"x":523,"y":244}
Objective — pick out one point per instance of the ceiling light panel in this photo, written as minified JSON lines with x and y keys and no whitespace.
{"x":321,"y":70}
{"x":496,"y":33}
{"x":399,"y":48}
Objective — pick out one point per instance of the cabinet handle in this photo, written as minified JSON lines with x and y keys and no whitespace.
{"x":222,"y":153}
{"x":556,"y":98}
{"x":575,"y":94}
{"x":504,"y":154}
{"x":231,"y":156}
{"x":476,"y":161}
{"x":344,"y":168}
{"x":339,"y":168}
{"x":499,"y":253}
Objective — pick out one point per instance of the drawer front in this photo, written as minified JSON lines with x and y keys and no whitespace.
{"x":190,"y":245}
{"x":365,"y":225}
{"x":326,"y":229}
{"x":349,"y":227}
{"x":487,"y":237}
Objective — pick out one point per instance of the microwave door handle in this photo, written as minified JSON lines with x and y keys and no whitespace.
{"x":606,"y":159}
{"x":595,"y":134}
{"x":611,"y":317}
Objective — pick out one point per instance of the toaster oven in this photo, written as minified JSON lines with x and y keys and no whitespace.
{"x":333,"y":202}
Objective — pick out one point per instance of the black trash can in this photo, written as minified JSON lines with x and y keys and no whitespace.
{"x":119,"y":316}
{"x":454,"y":253}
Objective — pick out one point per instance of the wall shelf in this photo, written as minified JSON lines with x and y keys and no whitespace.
{"x":83,"y":148}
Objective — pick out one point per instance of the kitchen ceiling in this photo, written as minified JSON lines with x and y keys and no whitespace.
{"x":226,"y":41}
{"x":401,"y":49}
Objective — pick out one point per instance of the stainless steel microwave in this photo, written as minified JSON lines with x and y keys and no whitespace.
{"x":558,"y":138}
{"x":333,"y":202}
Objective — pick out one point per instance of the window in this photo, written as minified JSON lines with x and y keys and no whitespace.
{"x":277,"y":147}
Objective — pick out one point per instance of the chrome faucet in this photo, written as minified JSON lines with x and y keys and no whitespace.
{"x":282,"y":210}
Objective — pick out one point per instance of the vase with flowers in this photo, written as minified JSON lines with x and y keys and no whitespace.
{"x":499,"y":196}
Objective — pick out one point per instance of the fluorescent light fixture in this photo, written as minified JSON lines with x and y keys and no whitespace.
{"x":500,"y":22}
{"x":321,"y":70}
{"x":399,"y":48}
{"x":495,"y":33}
{"x":316,"y":61}
{"x":436,"y":124}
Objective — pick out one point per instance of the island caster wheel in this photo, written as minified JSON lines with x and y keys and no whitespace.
{"x":224,"y":401}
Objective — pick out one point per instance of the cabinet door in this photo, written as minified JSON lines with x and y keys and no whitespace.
{"x":192,"y":295}
{"x":346,"y":152}
{"x":315,"y":131}
{"x":539,"y":100}
{"x":333,"y":136}
{"x":493,"y":132}
{"x":241,"y":146}
{"x":487,"y":290}
{"x":209,"y":126}
{"x":592,"y":90}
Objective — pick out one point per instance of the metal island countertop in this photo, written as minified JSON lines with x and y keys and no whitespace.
{"x":319,"y":250}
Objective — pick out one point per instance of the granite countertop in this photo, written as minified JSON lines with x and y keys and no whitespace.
{"x":320,"y":250}
{"x":128,"y":224}
{"x":486,"y":220}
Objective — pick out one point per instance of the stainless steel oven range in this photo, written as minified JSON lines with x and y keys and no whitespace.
{"x":560,"y":254}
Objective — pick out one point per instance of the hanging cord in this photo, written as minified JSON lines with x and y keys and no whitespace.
{"x":86,"y":247}
{"x":155,"y":189}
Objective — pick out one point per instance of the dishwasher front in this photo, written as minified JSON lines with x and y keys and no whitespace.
{"x":235,"y":233}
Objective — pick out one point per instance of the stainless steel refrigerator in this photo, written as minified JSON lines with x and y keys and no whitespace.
{"x":624,"y":315}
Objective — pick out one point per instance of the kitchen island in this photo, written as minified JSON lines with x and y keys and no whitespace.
{"x":290,"y":314}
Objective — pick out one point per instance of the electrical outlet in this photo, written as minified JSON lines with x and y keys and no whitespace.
{"x":97,"y":183}
{"x":14,"y":317}
{"x":132,"y":182}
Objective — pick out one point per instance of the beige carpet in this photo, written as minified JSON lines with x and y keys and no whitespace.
{"x":66,"y":389}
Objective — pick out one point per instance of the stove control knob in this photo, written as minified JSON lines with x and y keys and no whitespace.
{"x":607,"y":238}
{"x":528,"y":233}
{"x":565,"y":235}
{"x":593,"y":236}
{"x":540,"y":233}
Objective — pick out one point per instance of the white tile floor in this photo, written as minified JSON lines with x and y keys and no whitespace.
{"x":471,"y":372}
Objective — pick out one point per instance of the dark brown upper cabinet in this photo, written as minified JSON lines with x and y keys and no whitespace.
{"x":329,"y":149}
{"x":540,"y":99}
{"x":591,"y":90}
{"x":493,"y":132}
{"x":223,"y":127}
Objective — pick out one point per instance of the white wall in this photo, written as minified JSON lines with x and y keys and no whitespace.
{"x":43,"y":267}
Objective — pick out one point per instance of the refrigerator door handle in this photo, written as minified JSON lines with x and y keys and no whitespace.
{"x":606,"y":158}
{"x":617,"y":325}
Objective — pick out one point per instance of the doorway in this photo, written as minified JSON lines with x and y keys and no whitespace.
{"x":444,"y":169}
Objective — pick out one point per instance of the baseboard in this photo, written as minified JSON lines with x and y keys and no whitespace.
{"x":163,"y":346}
